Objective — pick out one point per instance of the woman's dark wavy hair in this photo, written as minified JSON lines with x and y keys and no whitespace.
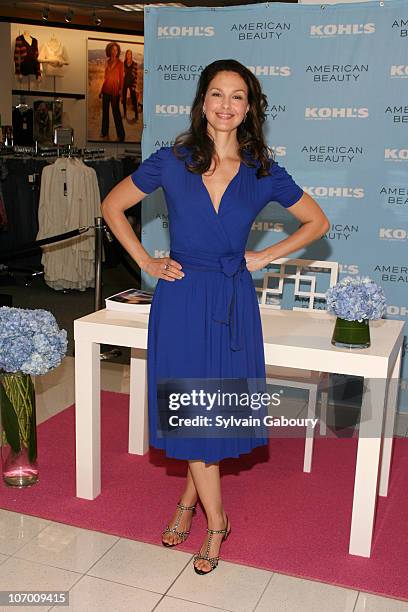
{"x":249,"y":132}
{"x":109,"y":47}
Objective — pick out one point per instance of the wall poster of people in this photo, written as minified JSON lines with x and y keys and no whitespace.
{"x":47,"y":117}
{"x":115,"y":90}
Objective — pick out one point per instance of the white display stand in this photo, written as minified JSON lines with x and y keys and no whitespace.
{"x":291,"y":339}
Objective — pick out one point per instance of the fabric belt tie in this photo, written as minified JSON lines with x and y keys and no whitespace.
{"x":228,"y":308}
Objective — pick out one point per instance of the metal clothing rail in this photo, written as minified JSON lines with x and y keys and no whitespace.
{"x":29,"y":246}
{"x":100,"y":229}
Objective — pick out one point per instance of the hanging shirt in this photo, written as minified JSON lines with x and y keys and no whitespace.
{"x":26,"y":57}
{"x":3,"y":213}
{"x":113,"y":82}
{"x":23,"y":127}
{"x":54,"y":57}
{"x":69,"y":199}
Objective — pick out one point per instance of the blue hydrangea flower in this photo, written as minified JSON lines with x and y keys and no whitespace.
{"x":356,"y":299}
{"x":30,"y":341}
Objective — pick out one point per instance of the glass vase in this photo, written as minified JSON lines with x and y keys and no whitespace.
{"x":18,"y":429}
{"x":351,"y":334}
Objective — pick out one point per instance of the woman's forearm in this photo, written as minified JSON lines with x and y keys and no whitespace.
{"x":123,"y":231}
{"x":124,"y":195}
{"x":306,"y":234}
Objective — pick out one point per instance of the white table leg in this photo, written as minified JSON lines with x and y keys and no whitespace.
{"x":87,"y":419}
{"x":389,"y":424}
{"x":324,"y":402}
{"x":138,"y":415}
{"x":311,"y":413}
{"x":366,"y":477}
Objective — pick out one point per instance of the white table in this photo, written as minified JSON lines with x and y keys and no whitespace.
{"x":291,"y":339}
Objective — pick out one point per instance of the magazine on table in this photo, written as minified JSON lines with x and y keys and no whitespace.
{"x":131,"y":300}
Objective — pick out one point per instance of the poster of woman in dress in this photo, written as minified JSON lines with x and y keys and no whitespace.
{"x":115,"y":90}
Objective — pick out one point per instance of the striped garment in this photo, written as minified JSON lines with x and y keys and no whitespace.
{"x":26,"y":57}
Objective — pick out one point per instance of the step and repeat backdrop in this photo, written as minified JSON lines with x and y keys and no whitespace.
{"x":336,"y":79}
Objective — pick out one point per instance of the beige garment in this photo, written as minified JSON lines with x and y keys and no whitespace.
{"x":69,"y":199}
{"x":53,"y":57}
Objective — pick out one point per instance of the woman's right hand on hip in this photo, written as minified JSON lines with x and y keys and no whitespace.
{"x":164,"y":267}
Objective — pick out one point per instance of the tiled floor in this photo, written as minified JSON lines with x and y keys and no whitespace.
{"x":112,"y":574}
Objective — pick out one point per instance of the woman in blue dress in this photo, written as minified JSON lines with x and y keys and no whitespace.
{"x":204,"y":321}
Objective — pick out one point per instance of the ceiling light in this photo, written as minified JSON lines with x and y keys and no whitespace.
{"x":45,"y":13}
{"x":96,"y":20}
{"x":69,"y":15}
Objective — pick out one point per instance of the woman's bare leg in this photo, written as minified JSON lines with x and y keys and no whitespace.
{"x":188,"y":498}
{"x":207,"y":482}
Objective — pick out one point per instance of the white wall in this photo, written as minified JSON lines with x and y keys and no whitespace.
{"x":74,"y":79}
{"x":6,"y":76}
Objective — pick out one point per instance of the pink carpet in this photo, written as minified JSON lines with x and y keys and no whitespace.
{"x":282,"y":519}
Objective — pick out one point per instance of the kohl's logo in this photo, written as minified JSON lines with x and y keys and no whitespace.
{"x":279,"y":151}
{"x":341,"y":29}
{"x":396,"y":154}
{"x":327,"y":112}
{"x":349,"y":269}
{"x":335,"y":192}
{"x":399,"y":71}
{"x":267,"y":226}
{"x":283,"y":71}
{"x":172,"y":109}
{"x":399,"y":311}
{"x":186,"y":31}
{"x":389,"y":233}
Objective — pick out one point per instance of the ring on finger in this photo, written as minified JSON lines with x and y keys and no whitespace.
{"x":166,"y":266}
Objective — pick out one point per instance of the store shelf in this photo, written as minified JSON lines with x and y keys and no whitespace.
{"x":47,"y":94}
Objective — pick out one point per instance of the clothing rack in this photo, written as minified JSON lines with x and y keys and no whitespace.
{"x":21,"y":190}
{"x":36,"y":152}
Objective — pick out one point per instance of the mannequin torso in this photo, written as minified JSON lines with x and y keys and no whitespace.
{"x":28,"y":38}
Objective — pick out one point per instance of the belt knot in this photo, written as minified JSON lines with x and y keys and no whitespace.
{"x":231,"y":264}
{"x":229,"y":308}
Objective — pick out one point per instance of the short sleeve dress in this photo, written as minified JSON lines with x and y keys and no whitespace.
{"x":207,"y":325}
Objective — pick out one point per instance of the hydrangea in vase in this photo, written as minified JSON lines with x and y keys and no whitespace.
{"x":355,"y":301}
{"x":31,"y":343}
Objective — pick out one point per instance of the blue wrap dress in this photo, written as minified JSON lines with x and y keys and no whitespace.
{"x":207,"y":324}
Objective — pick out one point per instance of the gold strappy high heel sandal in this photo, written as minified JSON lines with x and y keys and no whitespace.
{"x":182,"y":534}
{"x":213,"y":561}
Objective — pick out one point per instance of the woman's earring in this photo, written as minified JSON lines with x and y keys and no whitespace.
{"x":203,"y":113}
{"x":244,"y":119}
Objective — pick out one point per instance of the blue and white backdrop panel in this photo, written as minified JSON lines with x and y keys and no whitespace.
{"x":336,"y":78}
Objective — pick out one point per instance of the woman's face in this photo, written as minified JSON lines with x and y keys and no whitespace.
{"x":129,"y":56}
{"x":226,"y":101}
{"x":114,"y":52}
